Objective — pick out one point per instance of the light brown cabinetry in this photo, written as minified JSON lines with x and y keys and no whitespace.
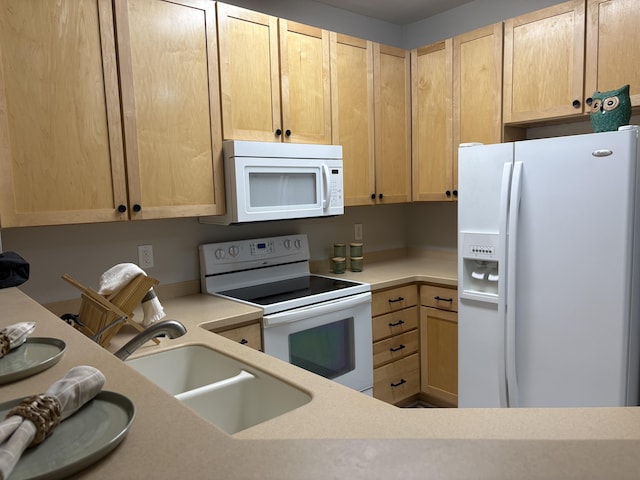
{"x":61,"y":138}
{"x":171,"y":108}
{"x":439,"y":344}
{"x":274,"y":78}
{"x":613,"y":55}
{"x":61,"y":153}
{"x":249,"y":334}
{"x":396,"y":359}
{"x":371,"y":119}
{"x":457,"y":98}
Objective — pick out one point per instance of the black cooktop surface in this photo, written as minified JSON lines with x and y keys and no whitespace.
{"x":291,"y":289}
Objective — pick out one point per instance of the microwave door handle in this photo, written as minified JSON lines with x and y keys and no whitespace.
{"x":326,"y":185}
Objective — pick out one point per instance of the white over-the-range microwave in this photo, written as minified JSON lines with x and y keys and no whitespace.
{"x":279,"y":181}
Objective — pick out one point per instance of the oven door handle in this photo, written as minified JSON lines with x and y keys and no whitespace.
{"x":315,"y":310}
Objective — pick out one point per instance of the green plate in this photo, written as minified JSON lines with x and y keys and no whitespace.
{"x":33,"y":356}
{"x":81,"y":440}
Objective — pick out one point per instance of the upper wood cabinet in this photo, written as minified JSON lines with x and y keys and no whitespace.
{"x":544,"y":63}
{"x":171,"y":108}
{"x":612,"y":55}
{"x":61,"y":154}
{"x":457,"y":98}
{"x":392,"y":99}
{"x":274,"y":78}
{"x":61,"y":144}
{"x":432,"y":90}
{"x":353,"y":115}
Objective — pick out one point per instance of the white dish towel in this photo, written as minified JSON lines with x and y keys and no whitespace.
{"x":119,"y":276}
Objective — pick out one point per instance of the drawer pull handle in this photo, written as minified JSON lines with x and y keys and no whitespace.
{"x":397,"y":349}
{"x":397,"y":324}
{"x":440,"y":299}
{"x":399,"y":299}
{"x":244,"y":341}
{"x":402,"y":380}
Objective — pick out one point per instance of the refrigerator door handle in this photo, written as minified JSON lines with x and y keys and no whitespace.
{"x":510,"y":323}
{"x":505,"y":191}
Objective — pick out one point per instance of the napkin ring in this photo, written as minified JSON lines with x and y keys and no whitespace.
{"x":43,"y":411}
{"x":5,"y":344}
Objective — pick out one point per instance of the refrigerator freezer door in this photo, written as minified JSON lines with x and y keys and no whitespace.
{"x":573,"y":271}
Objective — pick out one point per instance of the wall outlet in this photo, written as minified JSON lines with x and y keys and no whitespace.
{"x":145,"y":256}
{"x":357,"y":231}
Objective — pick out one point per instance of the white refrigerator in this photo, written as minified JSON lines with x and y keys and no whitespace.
{"x":549,"y":272}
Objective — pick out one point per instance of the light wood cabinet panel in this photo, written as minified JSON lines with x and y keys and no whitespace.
{"x":275,"y":78}
{"x":61,"y":152}
{"x":249,"y":335}
{"x":439,"y":355}
{"x":395,"y":323}
{"x":353,"y":115}
{"x":544,"y":63}
{"x":432,"y":86}
{"x":249,"y":74}
{"x":395,"y":348}
{"x":443,"y":298}
{"x":392,"y":97}
{"x":477,"y":89}
{"x":613,"y":55}
{"x":397,"y":381}
{"x":305,"y":82}
{"x":394,"y":299}
{"x":171,"y":110}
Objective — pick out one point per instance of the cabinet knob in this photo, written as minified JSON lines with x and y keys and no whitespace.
{"x":137,"y":208}
{"x":455,"y":193}
{"x":448,"y":193}
{"x":576,"y":104}
{"x":373,"y":196}
{"x":122,"y":208}
{"x":244,"y":341}
{"x":380,"y":196}
{"x":287,"y":132}
{"x":278,"y":132}
{"x":589,"y":101}
{"x":401,"y":382}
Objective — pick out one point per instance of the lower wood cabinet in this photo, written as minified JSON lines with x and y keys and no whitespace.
{"x":396,"y":339}
{"x":249,"y":334}
{"x":439,"y":345}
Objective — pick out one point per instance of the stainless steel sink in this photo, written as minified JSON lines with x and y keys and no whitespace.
{"x":228,"y":393}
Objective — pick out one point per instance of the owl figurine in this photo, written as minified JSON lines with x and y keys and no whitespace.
{"x":610,"y":110}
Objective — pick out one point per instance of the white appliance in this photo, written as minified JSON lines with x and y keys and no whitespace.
{"x":549,"y":273}
{"x":319,"y":323}
{"x":278,"y":181}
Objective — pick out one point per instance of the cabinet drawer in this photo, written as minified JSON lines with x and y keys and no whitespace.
{"x":395,"y":348}
{"x":397,"y":381}
{"x":394,"y":299}
{"x":249,"y":335}
{"x":394,"y":323}
{"x":439,"y":297}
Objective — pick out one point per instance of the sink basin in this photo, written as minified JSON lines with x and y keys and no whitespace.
{"x":226,"y":392}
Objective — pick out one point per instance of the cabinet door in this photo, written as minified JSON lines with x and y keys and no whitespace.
{"x":61,"y":155}
{"x":432,"y":121}
{"x":249,"y":74}
{"x":306,"y":83}
{"x":392,"y":96}
{"x":171,"y":109}
{"x":439,"y":355}
{"x":612,"y":47}
{"x":477,"y":89}
{"x":544,"y":63}
{"x":353,"y":115}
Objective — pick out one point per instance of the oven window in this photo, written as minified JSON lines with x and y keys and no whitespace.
{"x":327,"y":350}
{"x":282,"y":189}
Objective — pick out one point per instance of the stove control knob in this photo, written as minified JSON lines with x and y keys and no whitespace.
{"x":233,"y":251}
{"x":220,"y":253}
{"x":287,"y":244}
{"x":297,"y":243}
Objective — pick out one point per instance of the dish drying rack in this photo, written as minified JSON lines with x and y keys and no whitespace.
{"x":100,"y":317}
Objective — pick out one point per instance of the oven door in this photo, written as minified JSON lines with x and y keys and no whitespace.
{"x":332,"y":339}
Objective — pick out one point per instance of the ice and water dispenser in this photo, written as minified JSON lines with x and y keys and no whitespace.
{"x":480,"y":271}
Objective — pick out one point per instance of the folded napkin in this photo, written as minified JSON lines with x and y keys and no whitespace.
{"x":118,"y":277}
{"x":14,"y":335}
{"x":33,"y":420}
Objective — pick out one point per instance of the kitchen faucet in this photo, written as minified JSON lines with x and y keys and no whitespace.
{"x":171,"y":328}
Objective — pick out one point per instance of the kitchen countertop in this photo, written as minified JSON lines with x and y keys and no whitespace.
{"x":340,"y":433}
